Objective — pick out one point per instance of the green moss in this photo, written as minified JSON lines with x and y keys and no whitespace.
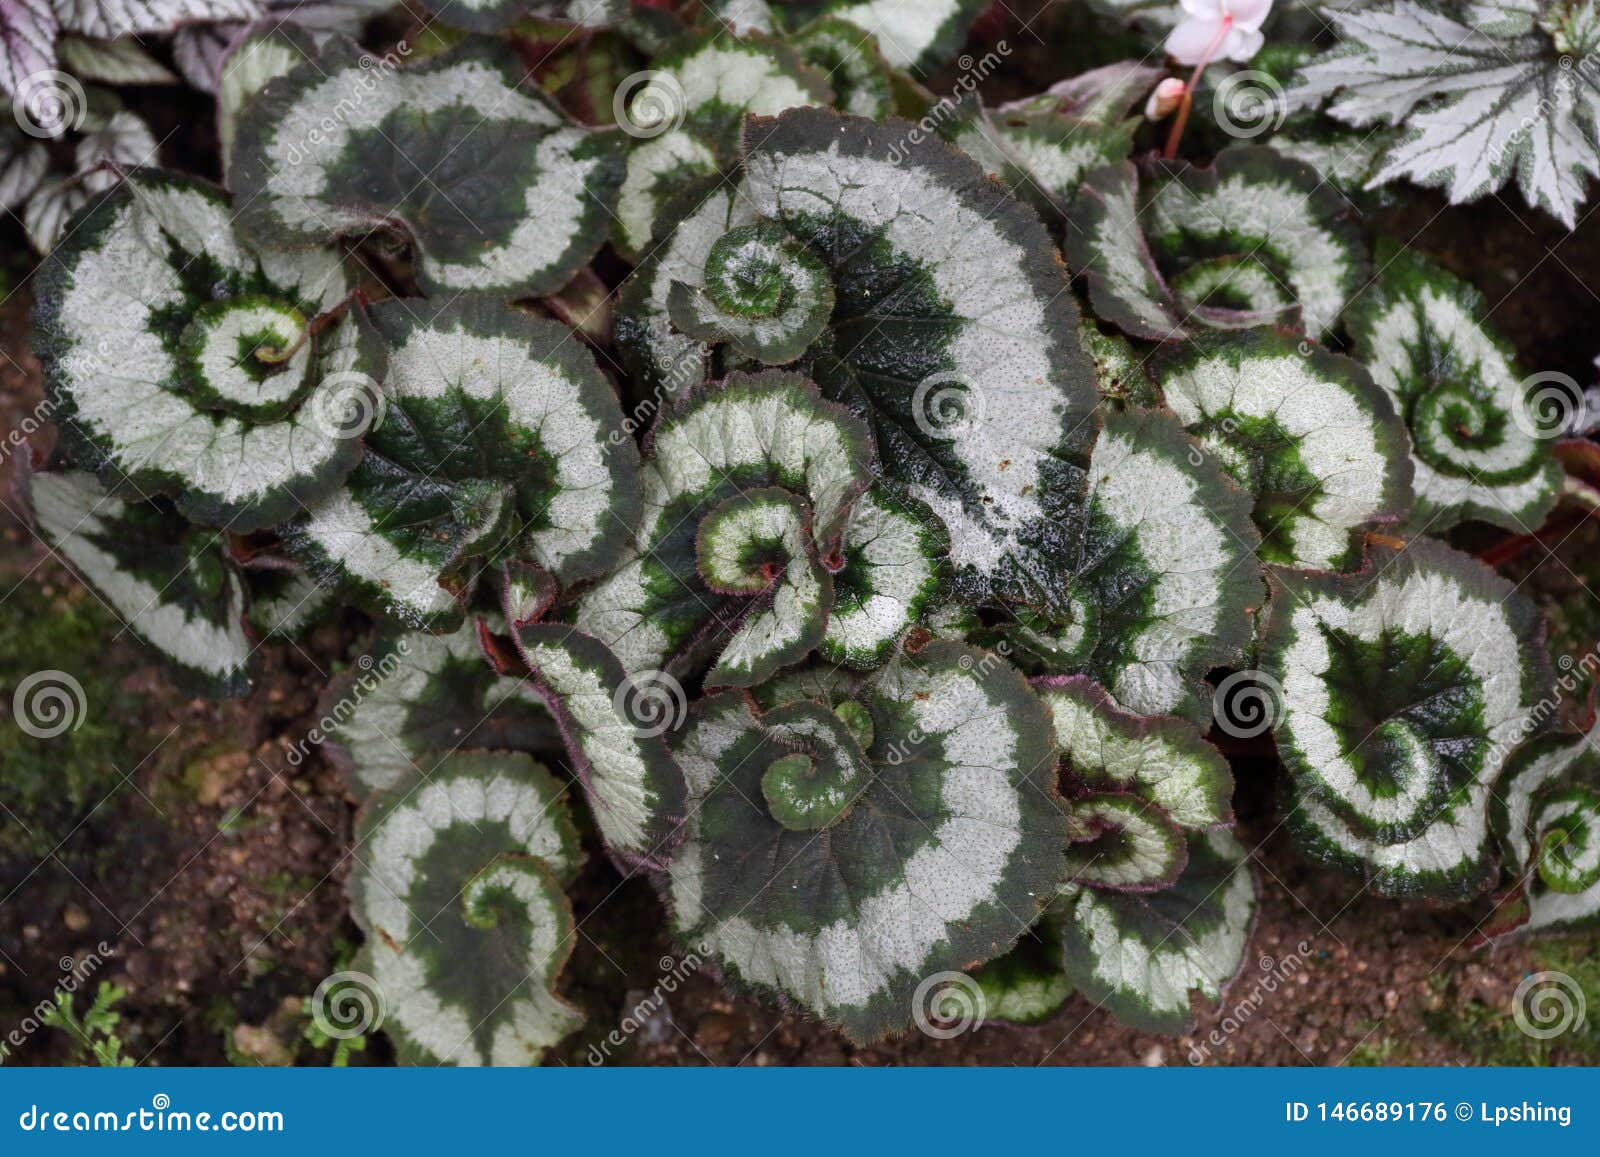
{"x":52,"y":783}
{"x":1490,"y":1035}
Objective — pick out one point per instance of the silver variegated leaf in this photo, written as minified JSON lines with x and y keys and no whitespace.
{"x":1319,"y":446}
{"x":951,"y":329}
{"x":1137,"y":788}
{"x":411,"y":699}
{"x":732,"y":457}
{"x":1256,"y":239}
{"x":458,"y":886}
{"x":688,"y":113}
{"x":1141,"y":956}
{"x":497,"y":438}
{"x":612,"y":723}
{"x":1546,"y":815}
{"x":1157,"y":578}
{"x":1480,"y":449}
{"x":1403,"y":689}
{"x":913,"y":34}
{"x":493,"y":186}
{"x":183,"y":362}
{"x":1481,"y":100}
{"x":841,"y":863}
{"x":171,"y":583}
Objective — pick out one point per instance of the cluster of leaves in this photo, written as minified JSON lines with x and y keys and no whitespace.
{"x":889,"y":646}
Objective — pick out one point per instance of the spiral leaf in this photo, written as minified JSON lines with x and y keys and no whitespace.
{"x":172,"y":583}
{"x":1316,"y":443}
{"x":1136,"y":788}
{"x":498,"y":440}
{"x":892,"y":579}
{"x":687,"y":113}
{"x":939,"y":859}
{"x":516,"y":199}
{"x":182,"y":362}
{"x":1141,"y":955}
{"x":1158,"y":577}
{"x":1546,"y":815}
{"x":698,"y":562}
{"x":467,"y":865}
{"x":1404,"y":689}
{"x":612,"y":724}
{"x":951,"y":328}
{"x":1419,"y":331}
{"x":1169,"y":251}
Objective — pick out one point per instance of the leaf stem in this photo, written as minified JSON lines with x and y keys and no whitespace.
{"x":1182,"y":117}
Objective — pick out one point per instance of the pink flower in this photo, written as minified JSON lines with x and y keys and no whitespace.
{"x":1218,"y":29}
{"x":1164,"y":98}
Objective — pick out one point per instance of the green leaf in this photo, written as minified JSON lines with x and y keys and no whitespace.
{"x":1025,"y":986}
{"x":1475,"y":450}
{"x":495,"y":189}
{"x":412,"y":699}
{"x":173,"y":584}
{"x":179,"y":361}
{"x":1484,"y":93}
{"x":913,"y":34}
{"x":746,"y":435}
{"x":285,"y":601}
{"x":1172,"y":249}
{"x":860,"y":77}
{"x":687,"y":113}
{"x":1136,"y":788}
{"x":612,"y":724}
{"x":1158,"y":575}
{"x":893,"y":577}
{"x":1403,"y":689}
{"x":1038,"y":152}
{"x":498,"y":438}
{"x":1308,"y":433}
{"x":466,"y":867}
{"x":939,"y":860}
{"x":267,"y":49}
{"x":951,"y":331}
{"x":1545,"y":809}
{"x":1141,"y":955}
